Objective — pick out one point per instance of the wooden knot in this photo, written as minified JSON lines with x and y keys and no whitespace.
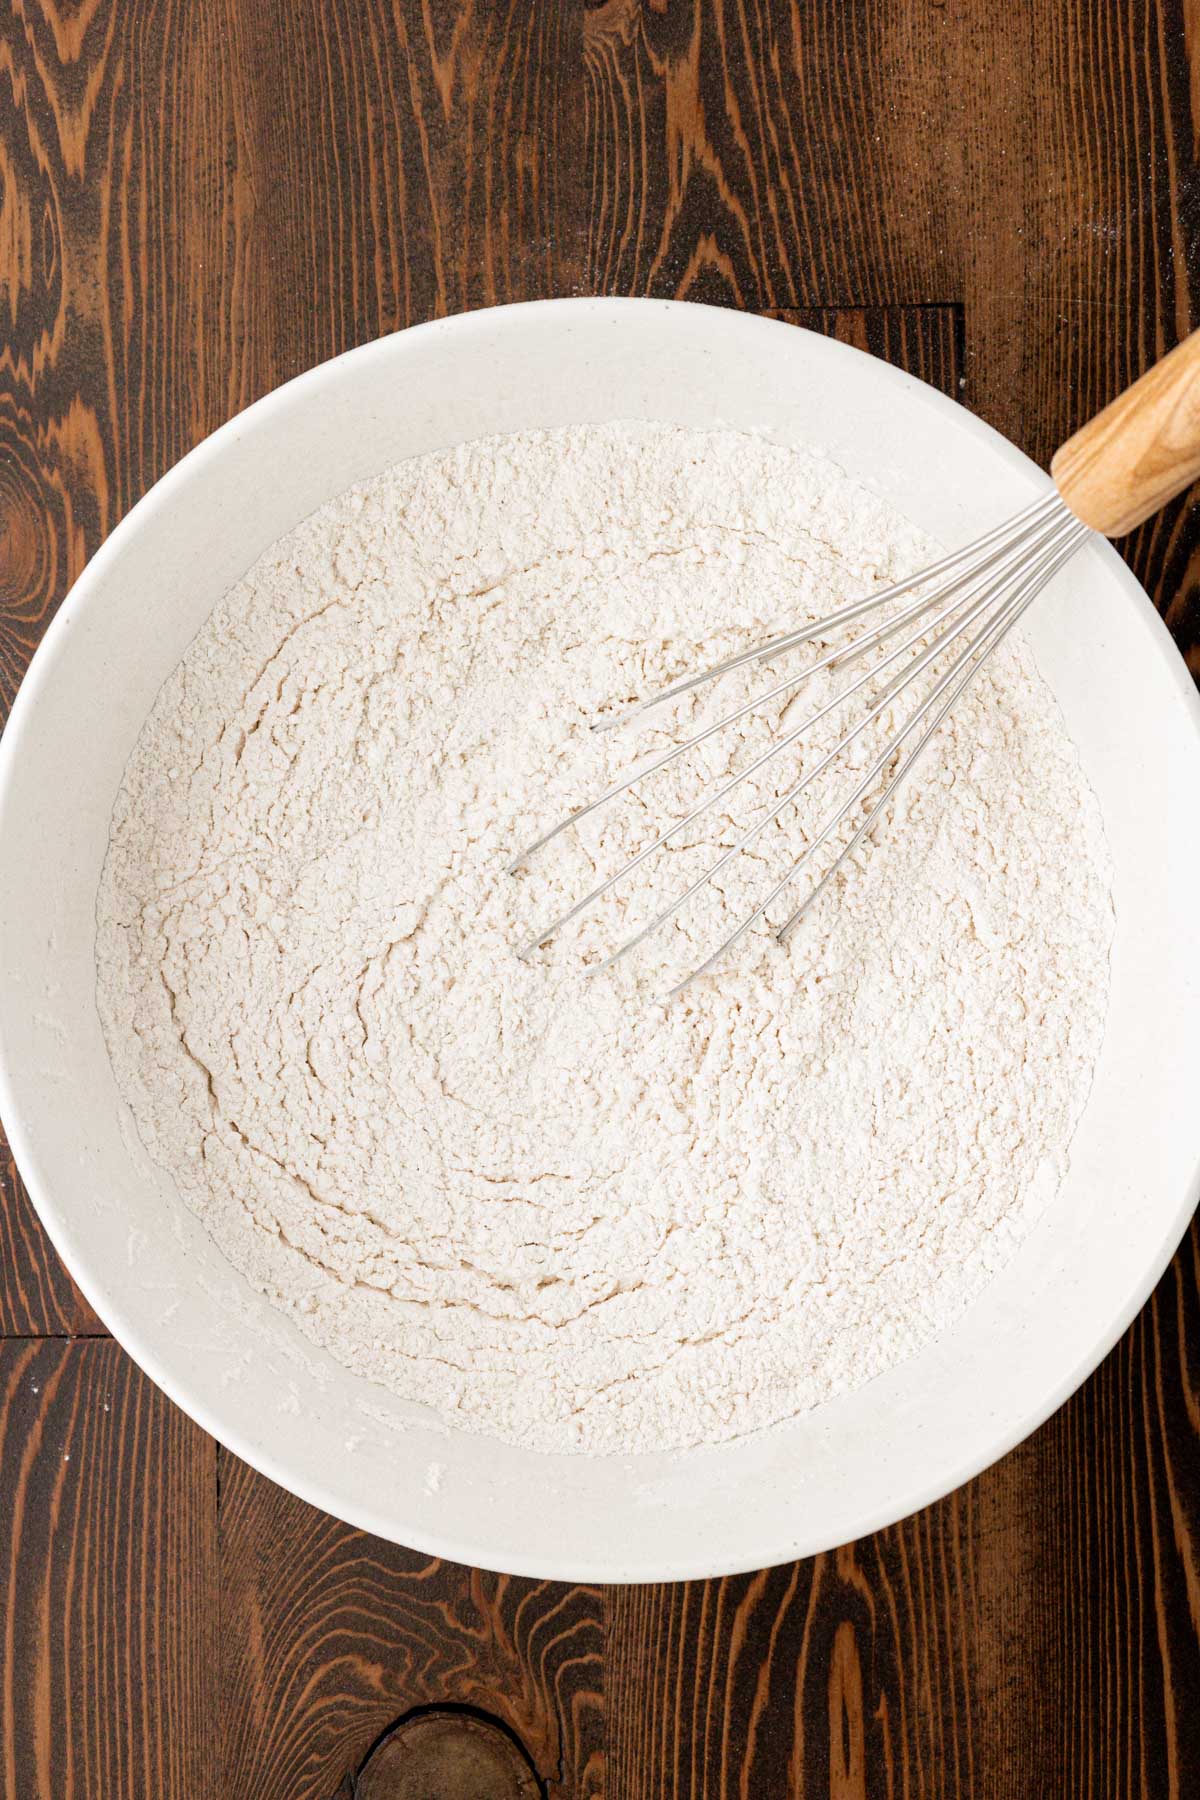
{"x":447,"y":1756}
{"x":28,"y":553}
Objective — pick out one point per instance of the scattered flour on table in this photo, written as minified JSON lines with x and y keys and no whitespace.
{"x":551,"y":1207}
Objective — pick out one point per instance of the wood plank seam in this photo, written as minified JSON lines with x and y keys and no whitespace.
{"x":52,"y":1337}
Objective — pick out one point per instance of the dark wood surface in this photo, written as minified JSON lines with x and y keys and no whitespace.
{"x":199,"y":198}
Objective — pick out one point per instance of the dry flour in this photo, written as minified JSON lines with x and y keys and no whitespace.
{"x":548,"y":1206}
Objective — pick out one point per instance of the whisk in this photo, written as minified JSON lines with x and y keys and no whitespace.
{"x":1119,"y":468}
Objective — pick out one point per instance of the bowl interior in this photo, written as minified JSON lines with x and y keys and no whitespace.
{"x":221,"y":1351}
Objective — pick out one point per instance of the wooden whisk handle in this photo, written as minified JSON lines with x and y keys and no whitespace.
{"x":1139,"y":452}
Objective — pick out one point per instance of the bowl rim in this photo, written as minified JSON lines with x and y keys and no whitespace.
{"x":916,"y":1494}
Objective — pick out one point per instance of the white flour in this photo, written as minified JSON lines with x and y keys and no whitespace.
{"x":548,"y":1206}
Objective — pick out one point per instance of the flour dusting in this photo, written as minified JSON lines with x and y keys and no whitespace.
{"x":540,"y":1200}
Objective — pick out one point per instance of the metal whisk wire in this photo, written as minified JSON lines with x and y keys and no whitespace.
{"x":1118,"y":469}
{"x":999,"y":625}
{"x":973,"y":559}
{"x":981,"y":648}
{"x":993,"y":580}
{"x":1034,"y":521}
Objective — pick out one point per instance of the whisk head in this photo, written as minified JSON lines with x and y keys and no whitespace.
{"x":960,"y":610}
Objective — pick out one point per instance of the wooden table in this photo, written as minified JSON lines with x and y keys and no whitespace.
{"x":198,"y":199}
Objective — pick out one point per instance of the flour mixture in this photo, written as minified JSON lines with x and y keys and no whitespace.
{"x":547,"y":1205}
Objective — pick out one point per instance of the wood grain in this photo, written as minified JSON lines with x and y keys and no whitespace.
{"x":1141,"y":451}
{"x":107,"y":1598}
{"x":1079,"y":204}
{"x":37,"y":1296}
{"x":766,"y":153}
{"x":327,"y":1645}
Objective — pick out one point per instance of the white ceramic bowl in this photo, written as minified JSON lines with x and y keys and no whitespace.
{"x":236,"y":1365}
